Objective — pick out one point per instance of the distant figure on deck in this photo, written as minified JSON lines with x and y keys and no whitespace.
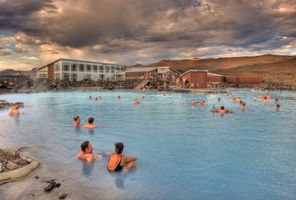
{"x":117,"y":161}
{"x":86,"y":152}
{"x":136,"y":101}
{"x":14,"y":111}
{"x":76,"y":121}
{"x":90,"y":124}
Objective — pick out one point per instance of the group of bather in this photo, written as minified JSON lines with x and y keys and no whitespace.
{"x":116,"y":161}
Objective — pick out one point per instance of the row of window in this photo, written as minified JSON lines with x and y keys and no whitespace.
{"x":89,"y":68}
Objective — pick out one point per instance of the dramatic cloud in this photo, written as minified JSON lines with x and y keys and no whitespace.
{"x":34,"y":32}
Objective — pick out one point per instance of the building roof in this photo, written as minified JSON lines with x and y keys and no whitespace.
{"x":213,"y":74}
{"x":194,"y":70}
{"x":76,"y":60}
{"x":140,"y":69}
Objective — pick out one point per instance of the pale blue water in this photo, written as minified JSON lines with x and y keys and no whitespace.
{"x":184,"y":152}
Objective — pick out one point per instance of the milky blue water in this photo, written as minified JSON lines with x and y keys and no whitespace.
{"x":183,"y":152}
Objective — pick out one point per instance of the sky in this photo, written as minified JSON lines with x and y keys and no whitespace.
{"x":36,"y":32}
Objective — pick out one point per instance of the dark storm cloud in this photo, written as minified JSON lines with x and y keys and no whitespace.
{"x":166,"y":26}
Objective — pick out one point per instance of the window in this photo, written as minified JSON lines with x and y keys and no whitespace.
{"x":56,"y":67}
{"x":74,"y":68}
{"x":107,"y":69}
{"x":88,"y":68}
{"x":102,"y":69}
{"x":81,"y":68}
{"x":74,"y":77}
{"x":65,"y":76}
{"x":117,"y":69}
{"x":88,"y":76}
{"x":112,"y":69}
{"x":95,"y":68}
{"x":65,"y":67}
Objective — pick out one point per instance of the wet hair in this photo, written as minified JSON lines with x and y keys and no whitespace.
{"x":119,"y":147}
{"x":244,"y":104}
{"x":278,"y":105}
{"x":91,"y":120}
{"x":84,"y":145}
{"x":222,"y":107}
{"x":76,"y":118}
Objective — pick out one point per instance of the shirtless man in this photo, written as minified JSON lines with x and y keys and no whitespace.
{"x":86,"y":153}
{"x":90,"y":124}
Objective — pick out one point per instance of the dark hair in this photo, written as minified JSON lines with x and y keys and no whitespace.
{"x":91,"y":120}
{"x":222,"y":107}
{"x":278,"y":105}
{"x":119,"y":147}
{"x":244,"y":104}
{"x":84,"y":145}
{"x":75,"y":118}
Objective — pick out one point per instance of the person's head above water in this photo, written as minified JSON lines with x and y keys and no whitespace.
{"x":91,"y":120}
{"x":222,"y":108}
{"x":86,"y":147}
{"x":119,"y":147}
{"x":76,"y":118}
{"x":244,"y":104}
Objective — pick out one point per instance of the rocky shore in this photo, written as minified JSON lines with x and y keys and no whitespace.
{"x":5,"y":105}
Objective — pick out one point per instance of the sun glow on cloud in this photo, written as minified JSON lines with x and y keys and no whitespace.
{"x":33,"y":33}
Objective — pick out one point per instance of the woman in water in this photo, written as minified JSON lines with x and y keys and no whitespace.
{"x":244,"y":106}
{"x":14,"y":110}
{"x":117,"y":161}
{"x":136,"y":101}
{"x":76,"y":121}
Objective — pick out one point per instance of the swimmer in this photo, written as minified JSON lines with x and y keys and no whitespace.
{"x":14,"y":110}
{"x":202,"y":103}
{"x":86,"y":153}
{"x":118,"y":97}
{"x":277,"y":107}
{"x":265,"y":100}
{"x":90,"y":124}
{"x":222,"y":110}
{"x":90,"y":97}
{"x":143,"y":97}
{"x":96,"y":99}
{"x":244,"y":106}
{"x":193,"y":103}
{"x":219,"y":99}
{"x":76,"y":121}
{"x":276,"y":100}
{"x":117,"y":161}
{"x":213,"y":108}
{"x":136,"y":101}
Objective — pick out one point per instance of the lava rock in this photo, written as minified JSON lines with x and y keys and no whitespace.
{"x":21,"y":162}
{"x":1,"y":167}
{"x":11,"y":165}
{"x":62,"y":195}
{"x":51,"y":185}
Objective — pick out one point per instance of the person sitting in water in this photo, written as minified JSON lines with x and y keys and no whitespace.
{"x":96,"y":99}
{"x":222,"y":110}
{"x":278,"y":106}
{"x":89,"y":97}
{"x":15,"y":110}
{"x":193,"y":103}
{"x":276,"y":100}
{"x":244,"y":106}
{"x":118,"y":97}
{"x":76,"y":121}
{"x":86,"y":152}
{"x":265,"y":100}
{"x":136,"y":101}
{"x":90,"y":123}
{"x":202,"y":103}
{"x":117,"y":161}
{"x":143,"y":97}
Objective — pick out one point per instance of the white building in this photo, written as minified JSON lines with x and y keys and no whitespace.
{"x":77,"y":70}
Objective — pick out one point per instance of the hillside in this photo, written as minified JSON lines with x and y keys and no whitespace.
{"x":273,"y":68}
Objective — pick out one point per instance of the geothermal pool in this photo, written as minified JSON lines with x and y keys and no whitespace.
{"x":183,"y":152}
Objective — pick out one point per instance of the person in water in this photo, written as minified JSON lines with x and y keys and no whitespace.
{"x":76,"y":121}
{"x":193,"y":103}
{"x":222,"y":110}
{"x":86,"y":152}
{"x":278,"y":106}
{"x":118,"y":97}
{"x":202,"y":103}
{"x":15,"y":110}
{"x":117,"y":161}
{"x":90,"y":124}
{"x":265,"y":100}
{"x":136,"y":101}
{"x":244,"y":106}
{"x":89,"y":97}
